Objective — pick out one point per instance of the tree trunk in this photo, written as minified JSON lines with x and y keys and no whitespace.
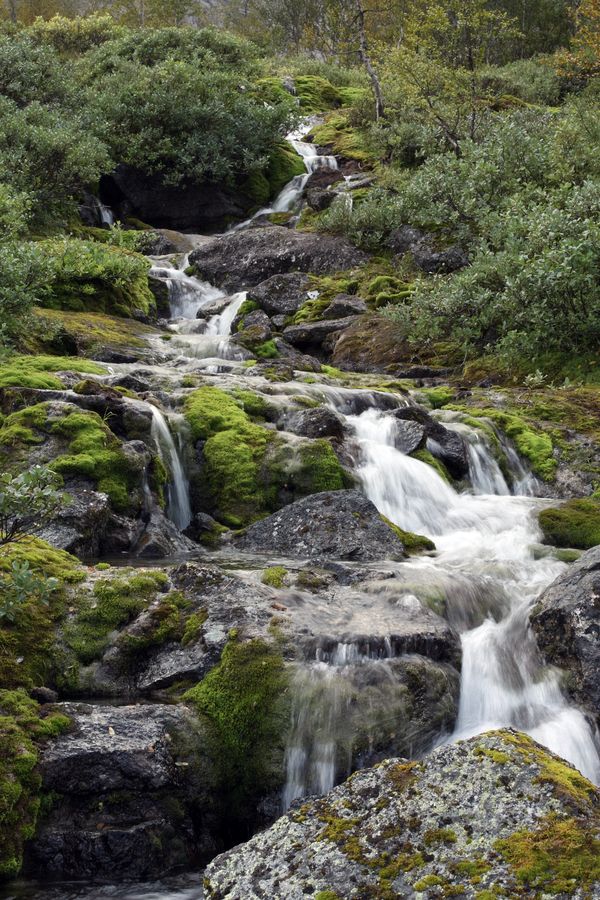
{"x":366,"y":61}
{"x":12,"y":10}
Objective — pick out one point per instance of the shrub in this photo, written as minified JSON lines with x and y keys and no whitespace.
{"x":28,"y":502}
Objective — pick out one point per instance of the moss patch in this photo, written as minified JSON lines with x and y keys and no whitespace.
{"x":90,"y":332}
{"x":112,"y":603}
{"x":576,"y":524}
{"x":426,"y":457}
{"x":274,"y":576}
{"x":37,"y":371}
{"x":22,"y":730}
{"x":244,"y":697}
{"x":413,"y":543}
{"x":338,"y":134}
{"x":560,"y":856}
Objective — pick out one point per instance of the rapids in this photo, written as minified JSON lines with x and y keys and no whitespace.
{"x":485,"y":574}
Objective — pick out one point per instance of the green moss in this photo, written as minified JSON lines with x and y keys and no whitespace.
{"x":427,"y":882}
{"x":426,"y":457}
{"x":89,"y":331}
{"x":22,"y":730}
{"x":575,"y":524}
{"x":284,"y":164}
{"x":327,"y":895}
{"x":35,"y":371}
{"x":253,"y":404}
{"x":274,"y":576}
{"x":320,"y":469}
{"x":560,"y":856}
{"x":413,"y":543}
{"x":244,"y":697}
{"x":266,"y":350}
{"x":95,"y":453}
{"x":112,"y":603}
{"x":497,"y":756}
{"x":435,"y":836}
{"x":344,"y":140}
{"x":438,"y":396}
{"x":314,"y":93}
{"x":535,"y":446}
{"x":165,"y":622}
{"x":193,"y":627}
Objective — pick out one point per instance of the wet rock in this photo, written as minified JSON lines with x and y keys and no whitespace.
{"x":132,"y":382}
{"x":345,"y":305}
{"x":252,"y":337}
{"x":336,"y":524}
{"x":257,"y":318}
{"x":131,"y":789}
{"x":301,"y":361}
{"x":409,"y":436}
{"x":446,"y":445}
{"x":566,"y":621}
{"x":320,"y":198}
{"x":81,"y":527}
{"x":213,"y":308}
{"x":313,"y":334}
{"x":316,"y":423}
{"x":161,"y":539}
{"x":487,"y":805}
{"x":281,"y":294}
{"x":160,"y":291}
{"x":246,"y":258}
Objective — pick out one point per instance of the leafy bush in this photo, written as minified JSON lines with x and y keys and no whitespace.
{"x":29,"y":72}
{"x":20,"y":587}
{"x":76,"y":35}
{"x":28,"y":502}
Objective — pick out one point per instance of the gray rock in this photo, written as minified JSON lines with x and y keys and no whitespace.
{"x":320,"y":198}
{"x":245,"y":258}
{"x":257,"y":318}
{"x":313,"y":334}
{"x":316,"y":423}
{"x":566,"y":621}
{"x":301,"y":361}
{"x":403,"y":239}
{"x":416,"y":828}
{"x":281,"y":294}
{"x":345,"y":305}
{"x":429,"y":259}
{"x":161,"y":539}
{"x":80,"y":527}
{"x":213,"y":308}
{"x":160,"y":291}
{"x":131,"y":790}
{"x":409,"y":436}
{"x":336,"y":524}
{"x":446,"y":445}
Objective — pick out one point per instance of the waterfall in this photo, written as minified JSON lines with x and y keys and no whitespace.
{"x":503,"y":682}
{"x":178,"y":494}
{"x":186,"y":294}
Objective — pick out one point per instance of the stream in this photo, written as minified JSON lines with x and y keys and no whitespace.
{"x":486,"y":572}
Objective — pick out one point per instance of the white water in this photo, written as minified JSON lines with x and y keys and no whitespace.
{"x":502,"y":682}
{"x":178,"y":492}
{"x":290,"y":196}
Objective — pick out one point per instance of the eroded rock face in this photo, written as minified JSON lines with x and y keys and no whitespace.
{"x":469,"y":818}
{"x":245,"y":258}
{"x":132,"y":792}
{"x":335,"y":524}
{"x":566,"y":620}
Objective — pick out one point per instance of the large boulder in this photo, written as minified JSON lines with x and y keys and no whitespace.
{"x":566,"y":620}
{"x":184,"y":207}
{"x":281,"y":294}
{"x":81,"y":526}
{"x":446,"y":445}
{"x":334,"y":524}
{"x":132,"y":790}
{"x":494,"y":815}
{"x":313,"y":334}
{"x":426,"y":255}
{"x":245,"y":258}
{"x":320,"y":422}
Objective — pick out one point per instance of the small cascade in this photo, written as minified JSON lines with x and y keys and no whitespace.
{"x":347,"y":704}
{"x":178,"y":494}
{"x":486,"y":534}
{"x":290,"y":196}
{"x":186,"y":294}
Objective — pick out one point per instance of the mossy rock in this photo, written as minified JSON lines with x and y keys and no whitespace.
{"x":38,"y":371}
{"x":413,"y":543}
{"x":22,"y":730}
{"x":86,"y":332}
{"x":429,"y":459}
{"x":576,"y":524}
{"x":245,"y":699}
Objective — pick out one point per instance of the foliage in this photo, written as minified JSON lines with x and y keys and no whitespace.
{"x":27,"y":503}
{"x":584,"y":56}
{"x":20,"y":586}
{"x":86,"y":275}
{"x":24,"y":274}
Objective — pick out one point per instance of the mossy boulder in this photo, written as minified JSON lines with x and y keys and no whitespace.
{"x":497,"y":815}
{"x":576,"y":524}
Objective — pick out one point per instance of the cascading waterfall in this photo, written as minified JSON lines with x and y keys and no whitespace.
{"x":503,"y":682}
{"x":178,"y":494}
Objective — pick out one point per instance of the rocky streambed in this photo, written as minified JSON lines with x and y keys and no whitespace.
{"x":292,"y":573}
